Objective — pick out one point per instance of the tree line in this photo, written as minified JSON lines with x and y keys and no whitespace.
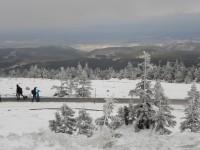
{"x":173,"y":72}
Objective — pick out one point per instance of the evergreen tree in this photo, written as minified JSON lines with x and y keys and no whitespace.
{"x":79,"y":70}
{"x":108,"y":119}
{"x":168,"y":72}
{"x":84,"y":85}
{"x":197,"y":74}
{"x":72,"y":86}
{"x":189,"y":77}
{"x":62,"y":74}
{"x":33,"y":72}
{"x":64,"y":121}
{"x":163,"y":118}
{"x":192,"y":112}
{"x":144,"y":111}
{"x":129,"y":71}
{"x":180,"y":72}
{"x":62,"y":89}
{"x":179,"y":76}
{"x":84,"y":123}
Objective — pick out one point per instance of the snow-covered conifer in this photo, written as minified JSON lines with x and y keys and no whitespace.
{"x":129,"y":71}
{"x":108,"y":119}
{"x":192,"y":112}
{"x":64,"y":121}
{"x":163,"y":118}
{"x":33,"y":72}
{"x":144,"y":111}
{"x":84,"y":123}
{"x":84,"y":85}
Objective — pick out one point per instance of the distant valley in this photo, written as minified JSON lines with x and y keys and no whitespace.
{"x":116,"y":57}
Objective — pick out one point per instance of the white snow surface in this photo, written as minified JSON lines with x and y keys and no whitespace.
{"x":24,"y":129}
{"x":114,"y":88}
{"x":24,"y":125}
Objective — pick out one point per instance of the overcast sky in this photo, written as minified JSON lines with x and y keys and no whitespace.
{"x":43,"y":14}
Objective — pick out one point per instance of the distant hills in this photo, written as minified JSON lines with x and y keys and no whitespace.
{"x":11,"y":57}
{"x":188,"y":52}
{"x":117,"y":57}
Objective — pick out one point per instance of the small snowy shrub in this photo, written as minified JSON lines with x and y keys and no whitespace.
{"x":120,"y":114}
{"x":84,"y":123}
{"x":113,"y":122}
{"x":102,"y":139}
{"x":108,"y":119}
{"x":64,"y":121}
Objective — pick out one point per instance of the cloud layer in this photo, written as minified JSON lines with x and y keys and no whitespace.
{"x":41,"y":14}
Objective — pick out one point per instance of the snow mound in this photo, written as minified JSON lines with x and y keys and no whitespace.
{"x":144,"y":140}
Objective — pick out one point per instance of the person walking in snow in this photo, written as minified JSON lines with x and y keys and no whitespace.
{"x":33,"y":92}
{"x":19,"y":92}
{"x":37,"y":95}
{"x":126,"y":115}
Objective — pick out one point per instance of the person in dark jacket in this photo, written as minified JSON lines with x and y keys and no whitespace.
{"x":37,"y":95}
{"x":126,"y":115}
{"x":19,"y":92}
{"x":33,"y":92}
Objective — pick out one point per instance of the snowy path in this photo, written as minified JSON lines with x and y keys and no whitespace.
{"x":91,"y":100}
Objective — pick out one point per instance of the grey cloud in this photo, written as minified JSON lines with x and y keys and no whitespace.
{"x":28,"y":14}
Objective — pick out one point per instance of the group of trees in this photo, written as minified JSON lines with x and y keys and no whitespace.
{"x":171,"y":72}
{"x":153,"y":111}
{"x":79,"y":87}
{"x":65,"y":122}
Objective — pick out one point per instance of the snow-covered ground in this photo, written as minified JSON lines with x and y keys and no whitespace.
{"x":100,"y":88}
{"x":24,"y":129}
{"x":24,"y":126}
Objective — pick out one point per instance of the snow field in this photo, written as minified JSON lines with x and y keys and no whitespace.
{"x":25,"y":129}
{"x":114,"y":88}
{"x":24,"y":126}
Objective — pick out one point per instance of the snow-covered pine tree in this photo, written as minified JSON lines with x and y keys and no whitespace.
{"x":129,"y":71}
{"x":168,"y":72}
{"x":180,"y":72}
{"x":144,"y":111}
{"x":108,"y":119}
{"x":84,"y":123}
{"x":189,"y":77}
{"x":84,"y":85}
{"x":197,"y":74}
{"x":79,"y":70}
{"x":62,"y":89}
{"x":67,"y":84}
{"x":33,"y":72}
{"x":120,"y":114}
{"x":179,"y":76}
{"x":163,"y":118}
{"x":192,"y":112}
{"x":64,"y":121}
{"x":132,"y":113}
{"x":72,"y":85}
